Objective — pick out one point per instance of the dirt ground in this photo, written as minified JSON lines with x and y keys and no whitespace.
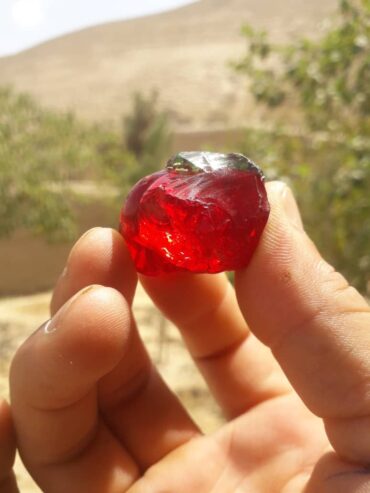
{"x":20,"y":316}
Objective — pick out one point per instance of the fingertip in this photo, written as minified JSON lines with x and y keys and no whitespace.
{"x":283,"y":204}
{"x":169,"y":292}
{"x":67,"y":356}
{"x":94,"y":327}
{"x":100,"y":256}
{"x":272,"y":286}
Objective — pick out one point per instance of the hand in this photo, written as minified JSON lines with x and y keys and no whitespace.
{"x":7,"y":450}
{"x":93,"y":415}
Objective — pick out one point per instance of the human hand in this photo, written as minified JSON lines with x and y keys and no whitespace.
{"x":93,"y":415}
{"x":7,"y":450}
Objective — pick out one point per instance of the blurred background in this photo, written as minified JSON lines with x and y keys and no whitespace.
{"x":92,"y":99}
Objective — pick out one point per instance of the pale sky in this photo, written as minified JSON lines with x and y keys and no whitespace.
{"x":24,"y":23}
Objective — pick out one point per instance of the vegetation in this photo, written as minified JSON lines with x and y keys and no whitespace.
{"x":42,"y":151}
{"x":143,"y":145}
{"x":38,"y":149}
{"x":327,"y":161}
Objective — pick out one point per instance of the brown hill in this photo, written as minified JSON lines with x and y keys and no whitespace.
{"x":183,"y":53}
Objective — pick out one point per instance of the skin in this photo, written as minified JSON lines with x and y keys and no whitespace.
{"x":286,"y":356}
{"x":7,"y":450}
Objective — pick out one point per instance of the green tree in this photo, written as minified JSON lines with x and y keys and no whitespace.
{"x":146,"y":133}
{"x":39,"y":150}
{"x":42,"y":152}
{"x":326,"y":85}
{"x":143,"y":146}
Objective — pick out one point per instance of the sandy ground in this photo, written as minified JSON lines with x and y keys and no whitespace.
{"x":20,"y":316}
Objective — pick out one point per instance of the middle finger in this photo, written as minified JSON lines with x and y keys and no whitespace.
{"x":240,"y":371}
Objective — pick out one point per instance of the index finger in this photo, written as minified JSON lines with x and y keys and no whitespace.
{"x":54,"y":381}
{"x":316,"y":325}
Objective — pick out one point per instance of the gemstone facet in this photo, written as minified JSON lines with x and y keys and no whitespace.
{"x":205,"y":212}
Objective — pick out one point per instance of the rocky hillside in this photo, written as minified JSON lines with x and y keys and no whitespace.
{"x":184,"y":54}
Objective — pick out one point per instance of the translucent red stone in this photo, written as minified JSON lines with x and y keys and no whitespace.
{"x":204,"y":213}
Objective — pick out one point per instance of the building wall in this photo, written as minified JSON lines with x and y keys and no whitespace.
{"x":29,"y":264}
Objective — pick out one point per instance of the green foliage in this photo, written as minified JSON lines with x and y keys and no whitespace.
{"x":146,"y":134}
{"x":142,"y":147}
{"x":327,"y":84}
{"x":327,"y":80}
{"x":39,"y":149}
{"x":42,"y":152}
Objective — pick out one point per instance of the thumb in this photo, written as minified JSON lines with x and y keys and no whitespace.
{"x":316,"y":325}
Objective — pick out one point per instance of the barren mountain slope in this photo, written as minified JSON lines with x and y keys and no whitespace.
{"x":182,"y":53}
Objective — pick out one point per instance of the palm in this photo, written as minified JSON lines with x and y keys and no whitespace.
{"x":259,"y":451}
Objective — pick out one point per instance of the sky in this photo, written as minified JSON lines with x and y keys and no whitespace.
{"x":25,"y":23}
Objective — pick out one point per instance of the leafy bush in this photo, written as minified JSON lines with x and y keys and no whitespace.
{"x":145,"y":142}
{"x":42,"y":151}
{"x":326,"y":85}
{"x":38,"y":150}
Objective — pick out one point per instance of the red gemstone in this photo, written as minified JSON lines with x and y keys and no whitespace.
{"x":204,"y":213}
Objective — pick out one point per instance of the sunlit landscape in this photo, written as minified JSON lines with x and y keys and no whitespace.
{"x":85,"y":115}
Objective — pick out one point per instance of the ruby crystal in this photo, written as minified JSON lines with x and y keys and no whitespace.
{"x":205,"y":212}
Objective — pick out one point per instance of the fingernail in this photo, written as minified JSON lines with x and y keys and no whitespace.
{"x":291,"y":208}
{"x":51,"y":325}
{"x":64,"y":273}
{"x":288,"y":202}
{"x":89,"y":232}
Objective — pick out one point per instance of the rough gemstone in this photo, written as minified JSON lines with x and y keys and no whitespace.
{"x":204,"y":212}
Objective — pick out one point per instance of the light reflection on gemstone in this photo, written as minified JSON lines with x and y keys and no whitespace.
{"x":204,"y":213}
